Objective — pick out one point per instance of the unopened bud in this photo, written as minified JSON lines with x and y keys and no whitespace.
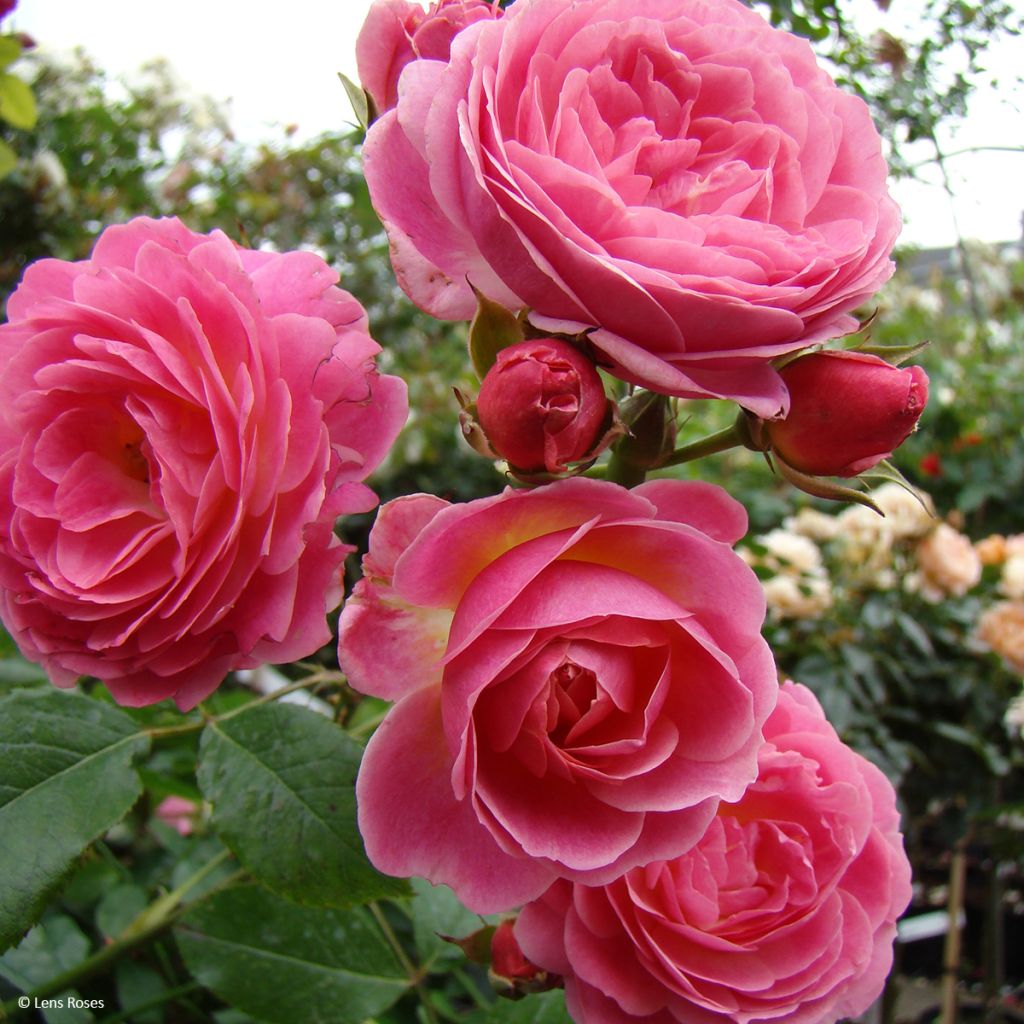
{"x":848,"y":412}
{"x":542,"y":406}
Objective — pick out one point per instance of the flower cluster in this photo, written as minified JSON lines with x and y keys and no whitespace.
{"x":587,"y":720}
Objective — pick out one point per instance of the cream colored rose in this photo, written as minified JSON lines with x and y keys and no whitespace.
{"x":817,"y":526}
{"x":800,"y":588}
{"x":797,"y":597}
{"x":947,"y":562}
{"x":904,"y":513}
{"x":1001,"y":627}
{"x":1012,"y":582}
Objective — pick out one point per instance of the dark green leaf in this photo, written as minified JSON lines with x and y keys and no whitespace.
{"x":286,"y":963}
{"x":435,"y":911}
{"x":66,"y":776}
{"x":542,"y":1008}
{"x":281,"y":781}
{"x":49,"y":949}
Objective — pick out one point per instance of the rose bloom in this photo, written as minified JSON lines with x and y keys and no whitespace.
{"x":1012,"y":581}
{"x":784,"y":911}
{"x":397,"y":32}
{"x":947,"y":562}
{"x":991,"y":549}
{"x":677,"y":178}
{"x":182,"y":422}
{"x":542,"y":406}
{"x":906,"y":515}
{"x":1001,"y":628}
{"x":798,"y":597}
{"x":817,"y":526}
{"x":579,"y":678}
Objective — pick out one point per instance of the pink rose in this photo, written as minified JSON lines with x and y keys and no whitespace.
{"x":848,"y":411}
{"x":397,"y":32}
{"x":542,"y":406}
{"x":579,"y":678}
{"x":675,"y":177}
{"x":181,"y":422}
{"x":178,"y":813}
{"x":784,"y":911}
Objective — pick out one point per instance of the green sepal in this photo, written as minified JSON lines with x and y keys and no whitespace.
{"x":822,"y":487}
{"x":895,"y":355}
{"x":886,"y":472}
{"x":493,"y":328}
{"x":362,"y":105}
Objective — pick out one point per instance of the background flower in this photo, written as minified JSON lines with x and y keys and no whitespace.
{"x":182,"y":423}
{"x":579,"y":677}
{"x":678,"y":178}
{"x":785,"y":910}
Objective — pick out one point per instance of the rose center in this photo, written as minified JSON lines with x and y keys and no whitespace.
{"x":573,"y":691}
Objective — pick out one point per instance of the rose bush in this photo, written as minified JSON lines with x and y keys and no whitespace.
{"x":181,"y":422}
{"x":397,"y":32}
{"x":677,"y":178}
{"x":785,"y":910}
{"x":579,"y":678}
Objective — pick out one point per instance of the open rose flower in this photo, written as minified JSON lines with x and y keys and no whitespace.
{"x":676,"y":177}
{"x":784,"y":911}
{"x":181,"y":422}
{"x":579,"y":678}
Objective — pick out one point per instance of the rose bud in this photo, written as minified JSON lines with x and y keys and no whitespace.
{"x":507,"y":960}
{"x":397,"y":32}
{"x":848,"y":412}
{"x":542,"y":405}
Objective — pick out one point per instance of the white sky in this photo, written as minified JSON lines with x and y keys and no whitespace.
{"x":277,"y":64}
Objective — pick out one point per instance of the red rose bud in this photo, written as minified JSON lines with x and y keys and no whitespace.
{"x":848,"y":412}
{"x":542,"y":405}
{"x":507,"y":960}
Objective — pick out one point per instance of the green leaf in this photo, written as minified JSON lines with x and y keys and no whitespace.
{"x":17,"y":104}
{"x":285,"y":963}
{"x":281,"y":781}
{"x":542,"y":1008}
{"x":66,"y":776}
{"x":51,"y":948}
{"x":10,"y":51}
{"x":493,"y":328}
{"x":8,"y":159}
{"x":435,"y":911}
{"x":16,"y":671}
